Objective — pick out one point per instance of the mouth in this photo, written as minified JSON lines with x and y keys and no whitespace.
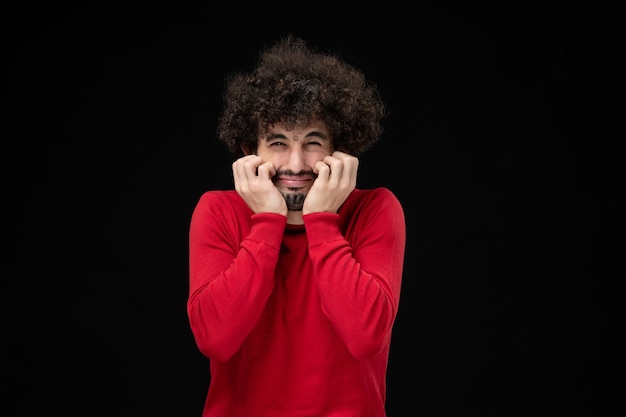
{"x":291,"y":182}
{"x":294,"y":181}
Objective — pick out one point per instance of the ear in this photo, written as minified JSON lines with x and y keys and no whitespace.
{"x":245,"y":150}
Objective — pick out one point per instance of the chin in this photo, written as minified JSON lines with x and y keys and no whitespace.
{"x":294,"y":201}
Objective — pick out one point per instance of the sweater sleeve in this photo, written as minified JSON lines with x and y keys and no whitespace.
{"x":359,"y":275}
{"x":232,"y":257}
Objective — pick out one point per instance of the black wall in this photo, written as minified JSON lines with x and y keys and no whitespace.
{"x":502,"y":144}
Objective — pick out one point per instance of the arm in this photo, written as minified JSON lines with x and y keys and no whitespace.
{"x":359,"y":274}
{"x":232,"y":256}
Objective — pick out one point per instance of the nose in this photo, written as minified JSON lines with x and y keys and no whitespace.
{"x":295,"y":159}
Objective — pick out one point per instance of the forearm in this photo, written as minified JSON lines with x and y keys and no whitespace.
{"x":359,"y":283}
{"x":230,"y":284}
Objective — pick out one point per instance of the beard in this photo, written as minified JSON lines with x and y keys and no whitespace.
{"x":294,"y":201}
{"x":294,"y":197}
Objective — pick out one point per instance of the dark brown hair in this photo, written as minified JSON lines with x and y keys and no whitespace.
{"x":293,"y":83}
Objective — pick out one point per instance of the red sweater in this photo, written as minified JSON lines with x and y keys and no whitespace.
{"x":296,"y":320}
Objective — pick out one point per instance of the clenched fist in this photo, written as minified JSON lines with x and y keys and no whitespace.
{"x":336,"y":179}
{"x":253,"y":182}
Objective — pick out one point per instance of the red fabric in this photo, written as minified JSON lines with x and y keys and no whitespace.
{"x":296,"y":320}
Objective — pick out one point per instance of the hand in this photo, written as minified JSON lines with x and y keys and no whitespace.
{"x":253,"y":182}
{"x":336,"y":179}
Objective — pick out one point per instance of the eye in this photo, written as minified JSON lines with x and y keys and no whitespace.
{"x":277,"y":144}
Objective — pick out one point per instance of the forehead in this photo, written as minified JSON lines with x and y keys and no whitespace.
{"x":314,"y":125}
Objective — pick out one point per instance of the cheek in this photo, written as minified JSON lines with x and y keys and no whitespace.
{"x":313,"y":157}
{"x":265,"y":154}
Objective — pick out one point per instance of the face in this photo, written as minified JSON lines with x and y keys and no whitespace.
{"x":294,"y":154}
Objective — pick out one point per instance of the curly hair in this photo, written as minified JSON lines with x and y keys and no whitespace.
{"x":292,"y":84}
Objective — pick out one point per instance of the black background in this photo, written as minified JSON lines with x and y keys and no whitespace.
{"x":502,"y":145}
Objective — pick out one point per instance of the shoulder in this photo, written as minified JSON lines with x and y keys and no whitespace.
{"x":371,"y":212}
{"x":220,"y":197}
{"x":222,"y":212}
{"x":222,"y":201}
{"x":376,"y":200}
{"x":374,"y":196}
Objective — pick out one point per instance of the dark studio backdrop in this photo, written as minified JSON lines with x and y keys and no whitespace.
{"x":502,"y":145}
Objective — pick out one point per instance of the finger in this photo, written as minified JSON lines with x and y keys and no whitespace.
{"x":348,"y":160}
{"x":340,"y":155}
{"x":336,"y":168}
{"x":244,"y":170}
{"x":266,"y":170}
{"x":345,"y":169}
{"x":250,"y":166}
{"x":237,"y":172}
{"x":322,"y":169}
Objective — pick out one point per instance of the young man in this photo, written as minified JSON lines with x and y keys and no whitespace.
{"x":295,"y":275}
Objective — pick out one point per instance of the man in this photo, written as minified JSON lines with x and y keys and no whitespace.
{"x":295,"y":275}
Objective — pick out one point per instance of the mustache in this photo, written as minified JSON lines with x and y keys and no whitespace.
{"x":290,"y":173}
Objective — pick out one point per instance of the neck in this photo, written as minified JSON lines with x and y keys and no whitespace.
{"x":294,"y":217}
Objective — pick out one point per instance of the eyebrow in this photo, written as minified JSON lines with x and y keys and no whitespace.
{"x":313,"y":133}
